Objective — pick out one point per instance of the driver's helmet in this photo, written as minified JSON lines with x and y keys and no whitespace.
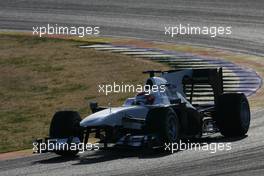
{"x":144,"y":98}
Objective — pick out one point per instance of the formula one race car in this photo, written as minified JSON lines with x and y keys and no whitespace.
{"x":192,"y":104}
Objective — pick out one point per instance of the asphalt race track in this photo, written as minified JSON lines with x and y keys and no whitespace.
{"x":245,"y":158}
{"x":147,"y":20}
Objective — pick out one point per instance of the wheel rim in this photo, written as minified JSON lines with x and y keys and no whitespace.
{"x":244,"y":115}
{"x":172,"y":129}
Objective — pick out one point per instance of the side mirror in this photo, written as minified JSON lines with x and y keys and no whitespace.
{"x":93,"y":106}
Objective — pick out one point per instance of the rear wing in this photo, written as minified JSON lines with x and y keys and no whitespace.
{"x":199,"y":86}
{"x":204,"y":86}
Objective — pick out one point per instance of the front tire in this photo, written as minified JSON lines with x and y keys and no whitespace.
{"x":66,"y":124}
{"x":165,"y":123}
{"x":233,"y":114}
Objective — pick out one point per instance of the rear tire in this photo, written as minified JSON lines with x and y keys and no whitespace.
{"x":233,"y":114}
{"x":66,"y":124}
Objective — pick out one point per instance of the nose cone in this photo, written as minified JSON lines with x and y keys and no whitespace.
{"x":108,"y":116}
{"x":113,"y":116}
